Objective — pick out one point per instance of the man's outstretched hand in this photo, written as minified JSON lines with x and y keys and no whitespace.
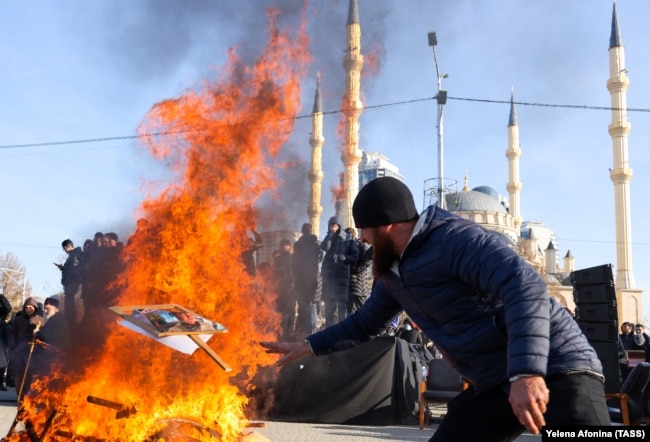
{"x":291,"y":351}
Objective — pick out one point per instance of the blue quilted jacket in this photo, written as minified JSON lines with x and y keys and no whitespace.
{"x":484,"y":307}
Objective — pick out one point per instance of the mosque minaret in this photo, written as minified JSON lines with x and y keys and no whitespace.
{"x":621,"y":173}
{"x":352,"y":107}
{"x":513,"y":154}
{"x":315,"y":175}
{"x":629,"y":299}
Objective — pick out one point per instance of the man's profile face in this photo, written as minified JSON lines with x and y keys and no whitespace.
{"x":50,"y":310}
{"x":640,"y":330}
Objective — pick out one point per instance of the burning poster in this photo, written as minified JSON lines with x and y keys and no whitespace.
{"x":168,"y":319}
{"x":173,"y":326}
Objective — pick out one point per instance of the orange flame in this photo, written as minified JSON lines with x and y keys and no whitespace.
{"x":221,"y":142}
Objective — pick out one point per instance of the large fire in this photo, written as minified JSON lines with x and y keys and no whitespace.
{"x":221,"y":143}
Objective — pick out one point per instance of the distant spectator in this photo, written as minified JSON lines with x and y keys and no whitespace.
{"x":71,"y":280}
{"x":305,"y":264}
{"x":409,"y":332}
{"x":627,"y":335}
{"x":360,"y":274}
{"x":340,"y":253}
{"x":21,"y":337}
{"x":4,"y":348}
{"x":286,"y":301}
{"x":641,"y":340}
{"x":249,"y":255}
{"x":101,"y":267}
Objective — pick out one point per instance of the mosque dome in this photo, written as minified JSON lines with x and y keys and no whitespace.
{"x":473,"y":201}
{"x":487,"y":190}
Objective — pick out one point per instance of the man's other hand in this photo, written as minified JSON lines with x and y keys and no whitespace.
{"x":528,"y":398}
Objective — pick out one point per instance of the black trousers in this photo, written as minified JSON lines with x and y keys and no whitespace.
{"x":69,"y":308}
{"x":575,"y":399}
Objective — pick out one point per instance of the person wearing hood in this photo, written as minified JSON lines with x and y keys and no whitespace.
{"x":486,"y":309}
{"x":21,"y":336}
{"x":340,"y":252}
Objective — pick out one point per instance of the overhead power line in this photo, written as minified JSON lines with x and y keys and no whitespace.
{"x":372,"y":107}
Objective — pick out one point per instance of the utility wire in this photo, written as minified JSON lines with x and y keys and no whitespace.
{"x":374,"y":107}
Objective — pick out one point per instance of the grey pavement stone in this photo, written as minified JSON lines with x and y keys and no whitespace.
{"x":291,"y":432}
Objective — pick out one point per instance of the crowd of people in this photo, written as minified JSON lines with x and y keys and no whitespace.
{"x":632,"y":337}
{"x":40,"y":333}
{"x":317,"y":281}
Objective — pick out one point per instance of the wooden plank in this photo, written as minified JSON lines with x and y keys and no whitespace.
{"x":215,"y":357}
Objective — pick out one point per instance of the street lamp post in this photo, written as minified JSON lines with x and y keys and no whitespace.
{"x":441,"y":98}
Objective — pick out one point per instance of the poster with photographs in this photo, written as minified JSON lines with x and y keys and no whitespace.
{"x":168,"y":319}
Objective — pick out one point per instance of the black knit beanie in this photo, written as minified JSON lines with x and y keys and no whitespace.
{"x":384,"y":200}
{"x":52,"y":301}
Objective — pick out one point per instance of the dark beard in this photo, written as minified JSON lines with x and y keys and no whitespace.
{"x":382,"y":256}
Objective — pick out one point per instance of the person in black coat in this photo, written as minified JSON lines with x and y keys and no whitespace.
{"x":305,"y":266}
{"x":340,"y":252}
{"x":71,"y":278}
{"x":360,"y":274}
{"x":627,"y":335}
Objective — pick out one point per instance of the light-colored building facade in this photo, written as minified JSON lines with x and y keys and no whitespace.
{"x":374,"y":165}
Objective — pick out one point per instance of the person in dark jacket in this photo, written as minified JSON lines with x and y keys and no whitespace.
{"x":286,"y":300}
{"x":641,"y":338}
{"x":305,"y":266}
{"x":21,"y":341}
{"x":340,"y":253}
{"x":627,"y":335}
{"x":360,"y":274}
{"x":54,"y":332}
{"x":487,"y":311}
{"x":53,"y":339}
{"x":71,"y":278}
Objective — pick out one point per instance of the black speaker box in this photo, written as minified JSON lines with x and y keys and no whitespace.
{"x":593,"y":275}
{"x":597,"y":313}
{"x":594,"y":294}
{"x":608,"y":354}
{"x":600,"y":331}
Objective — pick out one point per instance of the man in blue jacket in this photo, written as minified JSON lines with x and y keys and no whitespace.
{"x":488,"y":312}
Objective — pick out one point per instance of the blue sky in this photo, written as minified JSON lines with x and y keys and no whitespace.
{"x":92,"y":70}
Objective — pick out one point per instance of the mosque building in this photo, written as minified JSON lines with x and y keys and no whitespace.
{"x":535,"y":242}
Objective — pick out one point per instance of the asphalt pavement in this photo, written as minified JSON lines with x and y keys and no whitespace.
{"x":273,"y":431}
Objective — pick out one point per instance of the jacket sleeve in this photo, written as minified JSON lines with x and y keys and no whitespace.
{"x":326,"y":244}
{"x":352,"y":252}
{"x":372,"y":318}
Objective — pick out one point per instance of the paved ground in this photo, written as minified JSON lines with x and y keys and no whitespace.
{"x":289,"y":432}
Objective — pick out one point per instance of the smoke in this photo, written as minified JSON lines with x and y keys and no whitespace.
{"x":158,"y":39}
{"x":155,"y":38}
